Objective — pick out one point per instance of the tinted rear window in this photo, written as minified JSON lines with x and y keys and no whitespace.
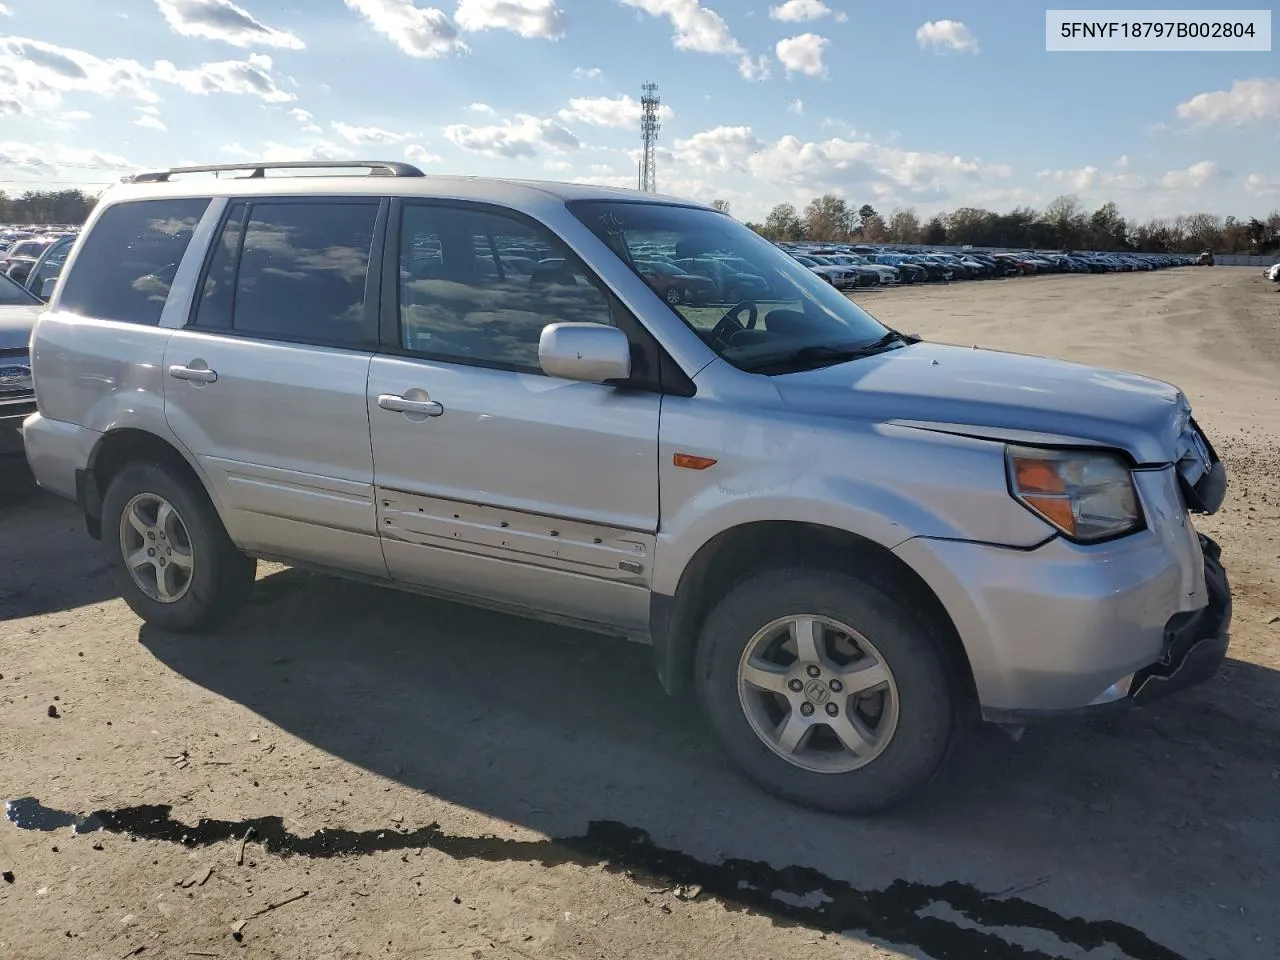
{"x":129,"y":260}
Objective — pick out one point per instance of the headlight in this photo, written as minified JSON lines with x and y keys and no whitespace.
{"x":1087,"y":494}
{"x":15,"y":374}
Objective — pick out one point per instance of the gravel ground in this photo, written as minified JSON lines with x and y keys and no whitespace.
{"x":490,"y":788}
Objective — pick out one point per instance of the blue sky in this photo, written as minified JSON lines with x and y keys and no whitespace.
{"x":922,"y":104}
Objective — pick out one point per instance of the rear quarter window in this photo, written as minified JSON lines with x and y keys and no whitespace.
{"x":128,"y":262}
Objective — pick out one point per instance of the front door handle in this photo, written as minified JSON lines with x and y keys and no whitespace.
{"x":194,"y":374}
{"x":423,"y":408}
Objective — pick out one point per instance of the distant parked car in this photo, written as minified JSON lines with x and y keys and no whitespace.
{"x":731,"y":286}
{"x":49,"y":265}
{"x":18,"y":312}
{"x":675,"y":285}
{"x":1205,"y":259}
{"x":1273,"y":272}
{"x":839,"y":277}
{"x":21,"y":257}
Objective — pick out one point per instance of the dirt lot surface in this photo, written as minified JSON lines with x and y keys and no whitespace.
{"x":490,"y":788}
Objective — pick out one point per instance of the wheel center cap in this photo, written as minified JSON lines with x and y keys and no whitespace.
{"x":816,"y":692}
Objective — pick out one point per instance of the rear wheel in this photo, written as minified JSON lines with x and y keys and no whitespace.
{"x":673,"y":295}
{"x":170,"y":556}
{"x":826,"y":690}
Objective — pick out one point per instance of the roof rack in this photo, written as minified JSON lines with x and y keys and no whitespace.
{"x":377,"y":168}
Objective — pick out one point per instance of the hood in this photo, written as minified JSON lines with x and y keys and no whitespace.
{"x":16,"y":323}
{"x":1000,"y":396}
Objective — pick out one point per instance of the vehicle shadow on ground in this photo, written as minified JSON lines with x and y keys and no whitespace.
{"x":50,"y":563}
{"x":553,"y":728}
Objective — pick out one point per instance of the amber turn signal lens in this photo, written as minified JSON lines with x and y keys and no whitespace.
{"x":1038,"y":476}
{"x":689,"y":462}
{"x":1056,"y":510}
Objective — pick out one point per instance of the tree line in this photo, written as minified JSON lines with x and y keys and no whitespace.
{"x":1065,"y":224}
{"x":46,"y":206}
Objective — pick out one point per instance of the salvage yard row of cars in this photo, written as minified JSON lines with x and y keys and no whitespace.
{"x":847,"y":266}
{"x":31,"y":255}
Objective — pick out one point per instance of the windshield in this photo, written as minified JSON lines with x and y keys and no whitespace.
{"x":12,"y":293}
{"x":763,"y":307}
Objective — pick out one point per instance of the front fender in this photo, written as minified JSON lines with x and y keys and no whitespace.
{"x":883,"y":483}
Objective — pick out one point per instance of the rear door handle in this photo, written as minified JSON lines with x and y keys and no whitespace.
{"x":425,"y":408}
{"x":194,"y":374}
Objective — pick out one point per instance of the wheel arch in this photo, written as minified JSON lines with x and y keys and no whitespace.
{"x":747,"y":549}
{"x":114,"y":451}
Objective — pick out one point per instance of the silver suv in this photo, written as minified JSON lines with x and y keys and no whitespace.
{"x":848,"y":540}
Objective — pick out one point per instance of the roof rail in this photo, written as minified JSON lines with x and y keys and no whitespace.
{"x":377,"y":168}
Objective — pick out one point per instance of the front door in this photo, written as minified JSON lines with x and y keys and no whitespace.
{"x":266,"y":385}
{"x":495,"y":481}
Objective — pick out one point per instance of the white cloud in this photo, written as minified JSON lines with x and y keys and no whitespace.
{"x":287,"y":152}
{"x":305,"y":118}
{"x":753,"y":68}
{"x":1123,"y":162}
{"x":557,"y":166}
{"x":700,"y":29}
{"x":803,"y":54}
{"x":697,"y":28}
{"x":359,"y":135}
{"x":482,"y":108}
{"x":40,"y":73}
{"x":420,"y":154}
{"x":622,"y":111}
{"x":799,"y":11}
{"x":1261,"y":185}
{"x":1248,"y":101}
{"x":37,"y":74}
{"x":718,"y":150}
{"x":587,"y":73}
{"x":418,"y":31}
{"x":67,"y":163}
{"x":799,"y":170}
{"x":250,"y":76}
{"x":948,"y":34}
{"x":528,"y":18}
{"x":1196,"y":175}
{"x":1093,"y":179}
{"x":796,"y":107}
{"x":5,"y":11}
{"x":510,"y":139}
{"x":150,"y":121}
{"x":225,"y":21}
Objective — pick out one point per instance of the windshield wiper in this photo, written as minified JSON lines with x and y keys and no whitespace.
{"x":825,"y":355}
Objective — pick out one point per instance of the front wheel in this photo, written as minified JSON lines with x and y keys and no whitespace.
{"x":170,"y":556}
{"x":826,"y":690}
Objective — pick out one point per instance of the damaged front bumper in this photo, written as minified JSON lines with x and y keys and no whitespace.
{"x":1195,"y":643}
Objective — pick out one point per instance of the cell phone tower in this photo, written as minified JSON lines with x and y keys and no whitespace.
{"x":650,"y":102}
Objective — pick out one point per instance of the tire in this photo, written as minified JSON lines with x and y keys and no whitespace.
{"x":209,"y":588}
{"x":901,"y":639}
{"x":673,"y":296}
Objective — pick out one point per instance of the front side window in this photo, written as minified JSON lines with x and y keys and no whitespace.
{"x":128,"y":262}
{"x":479,"y":287}
{"x":764,"y":310}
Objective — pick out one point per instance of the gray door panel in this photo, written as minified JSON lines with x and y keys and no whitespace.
{"x":283,"y":434}
{"x":518,"y":471}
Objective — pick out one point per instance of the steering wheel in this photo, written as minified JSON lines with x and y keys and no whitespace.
{"x":730,"y":324}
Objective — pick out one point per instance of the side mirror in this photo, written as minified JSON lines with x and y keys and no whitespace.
{"x":591,"y":352}
{"x":47,"y":288}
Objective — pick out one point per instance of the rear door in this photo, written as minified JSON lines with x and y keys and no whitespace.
{"x":494,"y":480}
{"x":266,"y":383}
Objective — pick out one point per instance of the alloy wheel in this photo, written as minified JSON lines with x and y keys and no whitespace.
{"x":818,"y":694}
{"x":156,"y":548}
